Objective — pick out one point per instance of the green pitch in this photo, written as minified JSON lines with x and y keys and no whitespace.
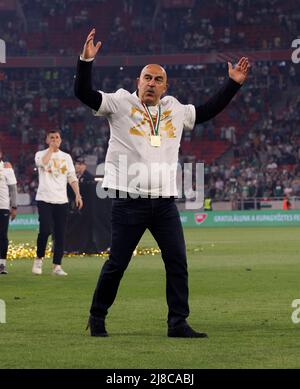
{"x":242,"y":284}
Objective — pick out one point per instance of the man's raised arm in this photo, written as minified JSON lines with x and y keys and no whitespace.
{"x":237,"y":76}
{"x":83,"y":81}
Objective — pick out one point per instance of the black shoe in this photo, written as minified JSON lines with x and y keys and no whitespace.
{"x":97,"y":326}
{"x":3,"y":269}
{"x":185,"y":331}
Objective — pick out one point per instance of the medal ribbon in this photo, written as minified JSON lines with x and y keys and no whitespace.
{"x":154,"y":126}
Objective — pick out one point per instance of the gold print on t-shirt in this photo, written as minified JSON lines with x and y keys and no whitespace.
{"x":140,"y":129}
{"x":56,"y":167}
{"x":167,"y":124}
{"x":63,"y":169}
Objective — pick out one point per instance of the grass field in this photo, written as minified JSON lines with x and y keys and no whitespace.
{"x":242,"y":284}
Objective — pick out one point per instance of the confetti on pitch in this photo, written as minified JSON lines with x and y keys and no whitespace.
{"x":28,"y":251}
{"x":25,"y":251}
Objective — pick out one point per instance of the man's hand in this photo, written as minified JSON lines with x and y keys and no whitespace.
{"x":239,"y":73}
{"x":78,"y":201}
{"x":89,"y":49}
{"x":13,"y":214}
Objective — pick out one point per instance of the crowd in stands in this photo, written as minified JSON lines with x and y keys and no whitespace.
{"x":41,"y":27}
{"x":267,"y":163}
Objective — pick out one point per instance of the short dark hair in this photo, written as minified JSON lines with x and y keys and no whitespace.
{"x":54,"y":132}
{"x":80,"y":160}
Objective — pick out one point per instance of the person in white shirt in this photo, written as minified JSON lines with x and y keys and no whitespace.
{"x":8,"y":207}
{"x":145,"y":134}
{"x":56,"y":170}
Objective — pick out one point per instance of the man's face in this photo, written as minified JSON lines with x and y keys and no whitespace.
{"x":80,"y":167}
{"x":152,"y":84}
{"x":54,"y":140}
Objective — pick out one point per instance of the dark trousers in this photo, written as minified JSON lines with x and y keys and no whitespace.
{"x":52,"y":218}
{"x":130,"y":219}
{"x":4,"y":221}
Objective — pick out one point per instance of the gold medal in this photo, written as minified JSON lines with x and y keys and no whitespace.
{"x":155,"y":140}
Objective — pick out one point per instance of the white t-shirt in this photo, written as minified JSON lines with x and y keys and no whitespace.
{"x":132,"y":164}
{"x":7,"y":177}
{"x":54,"y":176}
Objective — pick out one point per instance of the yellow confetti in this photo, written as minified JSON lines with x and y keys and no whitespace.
{"x":28,"y":251}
